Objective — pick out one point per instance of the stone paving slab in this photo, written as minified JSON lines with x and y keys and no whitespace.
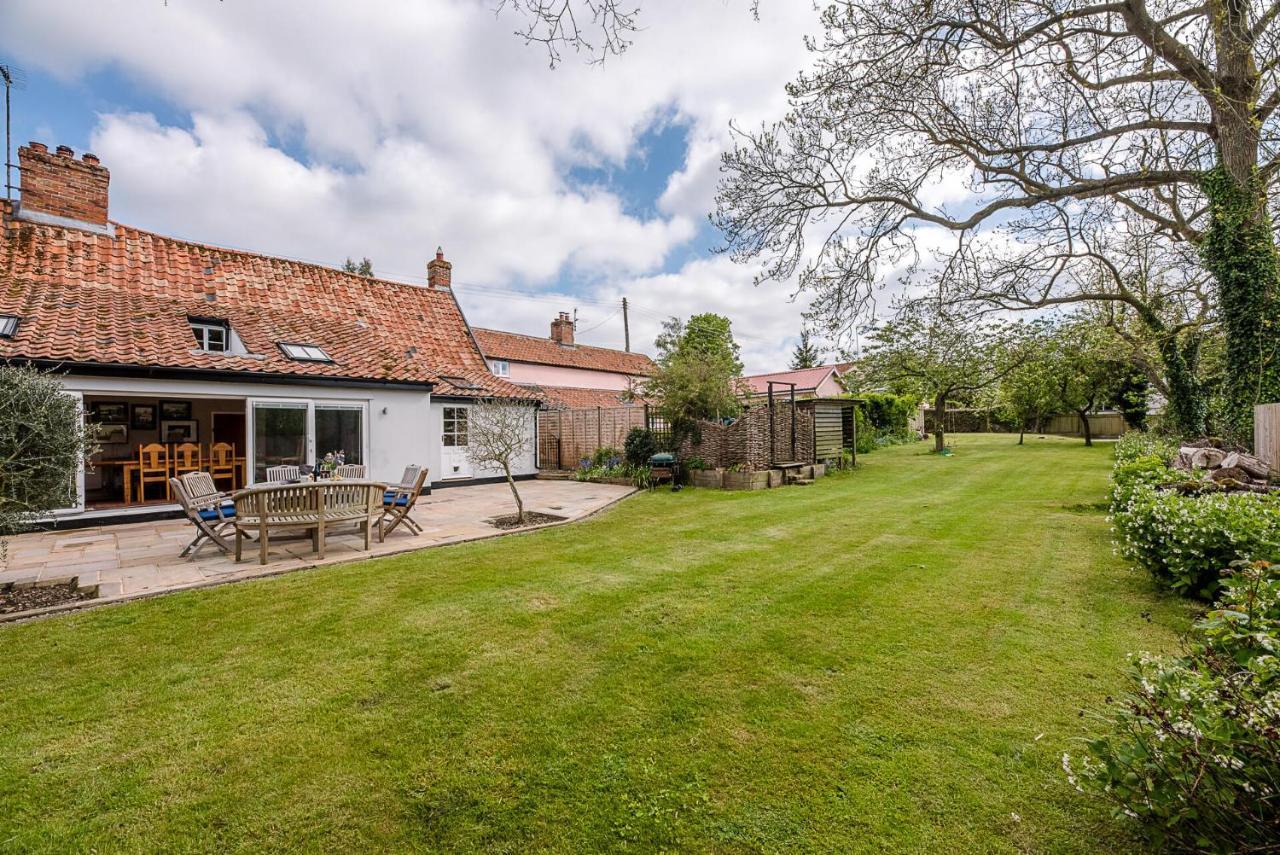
{"x":141,"y":559}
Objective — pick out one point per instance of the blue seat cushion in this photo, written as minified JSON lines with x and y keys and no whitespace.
{"x":210,"y":515}
{"x":390,"y":496}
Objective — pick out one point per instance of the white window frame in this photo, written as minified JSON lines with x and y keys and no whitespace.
{"x":300,"y":352}
{"x":444,"y":421}
{"x":202,"y":330}
{"x":501,"y":368}
{"x":9,"y":325}
{"x":251,"y":452}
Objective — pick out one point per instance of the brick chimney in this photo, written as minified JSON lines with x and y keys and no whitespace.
{"x":439,"y":272}
{"x":58,"y":185}
{"x":562,"y":330}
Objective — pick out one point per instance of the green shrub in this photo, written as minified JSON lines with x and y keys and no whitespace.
{"x":606,"y":457}
{"x":1136,"y":443}
{"x":1185,"y":540}
{"x":866,"y":436}
{"x":639,"y":446}
{"x":888,"y":414}
{"x":1193,"y":749}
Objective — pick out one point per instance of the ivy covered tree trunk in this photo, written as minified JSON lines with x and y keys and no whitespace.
{"x":1239,"y":250}
{"x":939,"y":415}
{"x":1188,"y":404}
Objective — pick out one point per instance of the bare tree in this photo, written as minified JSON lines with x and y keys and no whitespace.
{"x":597,"y":28}
{"x":498,"y":435}
{"x":1042,"y":114}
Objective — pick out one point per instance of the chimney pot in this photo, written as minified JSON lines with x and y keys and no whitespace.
{"x":65,"y":151}
{"x":562,"y":330}
{"x":439,"y":272}
{"x":37,"y":146}
{"x":90,"y":158}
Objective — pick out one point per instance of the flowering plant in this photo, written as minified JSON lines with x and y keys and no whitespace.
{"x":1193,"y":750}
{"x":332,"y":461}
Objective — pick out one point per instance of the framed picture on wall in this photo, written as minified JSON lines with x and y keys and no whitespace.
{"x":113,"y":434}
{"x":184,"y":430}
{"x":110,"y":412}
{"x":143,"y":417}
{"x":175,"y":411}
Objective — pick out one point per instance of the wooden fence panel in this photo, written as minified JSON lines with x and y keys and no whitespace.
{"x":567,"y":436}
{"x":1266,"y":434}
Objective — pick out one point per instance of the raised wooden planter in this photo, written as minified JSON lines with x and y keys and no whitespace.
{"x":746,"y":480}
{"x":819,"y":470}
{"x":713,"y":478}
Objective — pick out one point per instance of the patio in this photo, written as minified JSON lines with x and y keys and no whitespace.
{"x":141,"y":559}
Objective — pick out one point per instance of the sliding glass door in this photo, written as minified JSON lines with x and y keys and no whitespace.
{"x":279,"y":435}
{"x":300,"y":432}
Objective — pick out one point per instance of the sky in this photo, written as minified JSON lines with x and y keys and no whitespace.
{"x":322,"y":129}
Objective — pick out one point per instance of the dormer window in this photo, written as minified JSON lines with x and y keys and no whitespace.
{"x":8,"y":325}
{"x":304,"y":352}
{"x":501,"y":368}
{"x":212,"y":335}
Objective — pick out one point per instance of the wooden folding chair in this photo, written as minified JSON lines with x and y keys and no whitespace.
{"x":153,"y":468}
{"x":206,"y":508}
{"x":283,"y":474}
{"x":399,"y":501}
{"x":222,"y":462}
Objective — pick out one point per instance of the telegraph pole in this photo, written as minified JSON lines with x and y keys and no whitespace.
{"x":626,"y":327}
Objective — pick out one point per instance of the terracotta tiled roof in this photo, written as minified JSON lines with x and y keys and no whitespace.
{"x":125,"y":300}
{"x":572,"y":398}
{"x":806,"y":379}
{"x":515,"y":347}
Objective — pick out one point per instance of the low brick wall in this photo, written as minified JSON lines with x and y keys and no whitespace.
{"x":746,"y":442}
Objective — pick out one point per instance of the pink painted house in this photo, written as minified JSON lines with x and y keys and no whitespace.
{"x":820,"y":382}
{"x":565,"y":374}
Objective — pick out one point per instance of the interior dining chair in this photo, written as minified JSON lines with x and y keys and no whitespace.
{"x":186,"y":458}
{"x":222,"y":463}
{"x":153,"y":468}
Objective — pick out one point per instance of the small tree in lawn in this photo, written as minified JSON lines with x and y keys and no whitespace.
{"x":943,"y":354}
{"x":1088,"y":370}
{"x":499,"y":435}
{"x":1029,"y":392}
{"x":43,"y":442}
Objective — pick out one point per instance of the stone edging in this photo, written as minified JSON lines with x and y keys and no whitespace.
{"x":83,"y":605}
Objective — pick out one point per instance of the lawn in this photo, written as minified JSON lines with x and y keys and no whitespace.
{"x":893,"y":658}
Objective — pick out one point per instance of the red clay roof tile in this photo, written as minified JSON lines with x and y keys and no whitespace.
{"x":125,"y":299}
{"x":515,"y":347}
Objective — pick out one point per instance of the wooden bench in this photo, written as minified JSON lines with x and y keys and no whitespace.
{"x":314,"y":506}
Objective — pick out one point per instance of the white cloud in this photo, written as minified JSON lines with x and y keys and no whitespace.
{"x":323,"y":129}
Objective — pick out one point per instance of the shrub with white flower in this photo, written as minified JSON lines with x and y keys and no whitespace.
{"x":1193,"y":750}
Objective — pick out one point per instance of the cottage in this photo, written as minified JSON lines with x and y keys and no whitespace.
{"x":566,"y":375}
{"x":168,"y":341}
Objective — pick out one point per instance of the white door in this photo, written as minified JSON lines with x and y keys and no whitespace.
{"x":453,"y":439}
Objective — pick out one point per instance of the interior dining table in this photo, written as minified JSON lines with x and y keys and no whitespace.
{"x":129,"y":466}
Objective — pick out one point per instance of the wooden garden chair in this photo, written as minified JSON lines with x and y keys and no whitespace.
{"x":283,"y":474}
{"x":222,"y":462}
{"x":398,"y":501}
{"x":153,"y":468}
{"x":186,"y":458}
{"x":206,"y":508}
{"x":351,"y":470}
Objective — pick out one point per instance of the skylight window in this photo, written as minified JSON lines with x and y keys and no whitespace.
{"x":459,"y":382}
{"x":305,"y":352}
{"x":212,"y":335}
{"x":8,"y":325}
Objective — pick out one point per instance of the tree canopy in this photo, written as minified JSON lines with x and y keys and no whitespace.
{"x":1040,"y":134}
{"x":699,"y":370}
